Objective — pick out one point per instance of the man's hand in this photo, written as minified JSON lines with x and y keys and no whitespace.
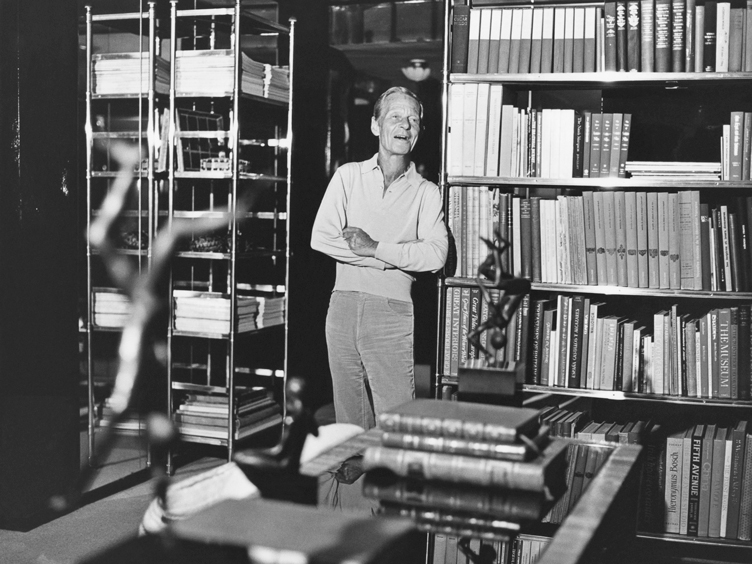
{"x":360,"y":242}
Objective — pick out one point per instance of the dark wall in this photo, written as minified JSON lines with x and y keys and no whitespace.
{"x":39,"y":442}
{"x":311,"y":273}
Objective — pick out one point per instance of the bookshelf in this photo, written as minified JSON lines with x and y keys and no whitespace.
{"x":230,"y":102}
{"x":207,"y":94}
{"x":125,"y":96}
{"x":615,"y":255}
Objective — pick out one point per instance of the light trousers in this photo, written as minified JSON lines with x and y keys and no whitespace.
{"x":370,"y":343}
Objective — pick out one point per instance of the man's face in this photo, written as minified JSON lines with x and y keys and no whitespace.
{"x":398,"y":127}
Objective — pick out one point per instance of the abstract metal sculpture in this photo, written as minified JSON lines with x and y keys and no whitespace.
{"x":500,"y":312}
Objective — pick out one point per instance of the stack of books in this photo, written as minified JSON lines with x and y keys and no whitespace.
{"x":212,"y":72}
{"x":277,"y":83}
{"x":111,"y":308}
{"x":118,"y":73}
{"x":650,"y":171}
{"x":465,"y":469}
{"x":207,"y":415}
{"x":209,"y":312}
{"x":271,"y":311}
{"x":132,"y":422}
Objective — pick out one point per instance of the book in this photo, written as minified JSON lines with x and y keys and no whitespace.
{"x":686,"y":468}
{"x":501,"y":504}
{"x":610,"y":40}
{"x":738,"y":442}
{"x":722,"y":30}
{"x":642,"y":239}
{"x":745,"y":504}
{"x":678,"y":44}
{"x":634,"y":38}
{"x":473,"y":45}
{"x":621,"y":36}
{"x":460,"y":36}
{"x":647,"y":35}
{"x":662,"y":24}
{"x":672,"y":488}
{"x":653,"y":241}
{"x":620,"y":214}
{"x":461,"y":420}
{"x":709,"y":36}
{"x":543,"y":473}
{"x":716,"y":484}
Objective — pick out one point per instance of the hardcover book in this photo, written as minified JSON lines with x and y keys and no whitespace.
{"x":461,"y":420}
{"x":544,"y":473}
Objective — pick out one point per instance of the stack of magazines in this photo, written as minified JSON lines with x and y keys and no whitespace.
{"x":209,"y":312}
{"x":465,"y":469}
{"x":271,"y":311}
{"x":118,"y":73}
{"x":111,"y":308}
{"x":670,"y":170}
{"x":207,"y":415}
{"x":277,"y":83}
{"x":212,"y":72}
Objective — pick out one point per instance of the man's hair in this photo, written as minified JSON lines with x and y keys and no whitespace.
{"x":377,"y":108}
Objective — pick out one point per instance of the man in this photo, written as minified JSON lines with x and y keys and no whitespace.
{"x":380,"y":220}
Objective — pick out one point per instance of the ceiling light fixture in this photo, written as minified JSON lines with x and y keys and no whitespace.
{"x":416,"y":70}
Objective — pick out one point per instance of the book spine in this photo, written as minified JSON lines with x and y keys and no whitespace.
{"x":662,"y":22}
{"x":693,"y":507}
{"x":460,"y":36}
{"x":678,"y":12}
{"x":647,"y":35}
{"x":633,"y":36}
{"x":672,"y":488}
{"x":465,"y":469}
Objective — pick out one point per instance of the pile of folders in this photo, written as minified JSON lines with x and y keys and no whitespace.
{"x":465,"y":469}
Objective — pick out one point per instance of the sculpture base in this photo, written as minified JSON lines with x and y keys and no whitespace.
{"x":481,"y":383}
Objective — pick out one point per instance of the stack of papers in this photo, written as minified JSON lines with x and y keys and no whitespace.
{"x":118,"y":73}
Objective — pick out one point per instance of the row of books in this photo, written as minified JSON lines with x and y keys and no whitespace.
{"x":465,"y":469}
{"x":211,"y":72}
{"x":576,"y":344}
{"x":623,"y":35}
{"x":128,"y":73}
{"x":698,"y":482}
{"x":490,"y":138}
{"x":209,"y":312}
{"x":736,"y":147}
{"x":207,"y":415}
{"x":524,"y":549}
{"x":658,"y":240}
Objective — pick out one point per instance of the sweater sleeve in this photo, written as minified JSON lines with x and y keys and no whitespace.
{"x":429,"y":252}
{"x":331,"y":219}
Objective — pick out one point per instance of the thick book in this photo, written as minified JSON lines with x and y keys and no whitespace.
{"x":559,"y":40}
{"x":266,"y":530}
{"x":722,"y":33}
{"x":685,"y":480}
{"x":547,"y":39}
{"x":535,"y":238}
{"x":460,"y":36}
{"x":621,"y":36}
{"x":610,"y":40}
{"x":484,"y":41}
{"x":544,"y":473}
{"x":689,"y":35}
{"x":462,"y":420}
{"x":662,"y":23}
{"x":633,"y":36}
{"x":653,"y":242}
{"x":709,"y":36}
{"x":674,"y":242}
{"x":536,"y":45}
{"x":502,"y":504}
{"x":600,"y":238}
